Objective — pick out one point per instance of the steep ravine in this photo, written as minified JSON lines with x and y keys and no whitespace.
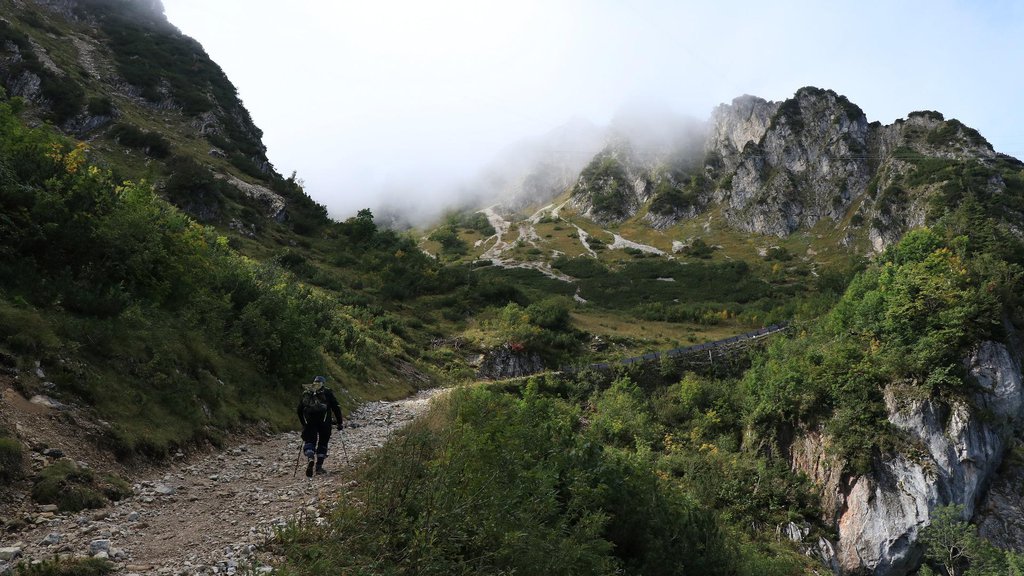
{"x":207,"y":513}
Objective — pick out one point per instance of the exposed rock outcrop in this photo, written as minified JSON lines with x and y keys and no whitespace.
{"x":1000,"y":516}
{"x":734,"y":126}
{"x":507,"y":362}
{"x":959,"y":448}
{"x":612,"y":187}
{"x":272,"y":204}
{"x":774,"y":168}
{"x":796,"y":163}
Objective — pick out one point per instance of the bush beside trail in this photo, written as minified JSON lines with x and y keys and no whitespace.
{"x":498,"y":482}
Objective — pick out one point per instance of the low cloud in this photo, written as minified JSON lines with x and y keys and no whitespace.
{"x":404,"y":105}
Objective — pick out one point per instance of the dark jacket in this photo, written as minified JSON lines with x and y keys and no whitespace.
{"x":332,"y":405}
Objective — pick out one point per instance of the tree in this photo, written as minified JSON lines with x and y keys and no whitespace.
{"x":952,"y":543}
{"x":361,"y":228}
{"x":948,"y":539}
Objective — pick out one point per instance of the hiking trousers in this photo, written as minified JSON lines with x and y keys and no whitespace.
{"x":315,"y":437}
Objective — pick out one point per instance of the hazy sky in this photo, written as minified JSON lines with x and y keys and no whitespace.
{"x":404,"y":99}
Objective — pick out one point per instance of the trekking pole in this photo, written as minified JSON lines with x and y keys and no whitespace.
{"x":344,"y":448}
{"x":297,"y":458}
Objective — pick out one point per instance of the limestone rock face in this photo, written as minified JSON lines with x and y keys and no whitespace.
{"x":796,"y":163}
{"x":734,"y":126}
{"x":1000,"y":516}
{"x":504,"y":362}
{"x":890,"y":208}
{"x":960,"y":447}
{"x":774,"y":168}
{"x":273,"y":204}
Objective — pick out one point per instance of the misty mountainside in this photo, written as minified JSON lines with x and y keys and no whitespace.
{"x":151,"y":105}
{"x":808,"y":173}
{"x":162,"y":288}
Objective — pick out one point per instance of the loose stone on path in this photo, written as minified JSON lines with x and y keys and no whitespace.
{"x":209,"y":514}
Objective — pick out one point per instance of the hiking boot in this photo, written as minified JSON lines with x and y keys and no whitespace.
{"x":320,"y":466}
{"x":309,"y":469}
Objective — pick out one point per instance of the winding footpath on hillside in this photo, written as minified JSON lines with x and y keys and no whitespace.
{"x":207,"y":513}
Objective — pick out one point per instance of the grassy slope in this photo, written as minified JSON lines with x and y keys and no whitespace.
{"x":695,"y":307}
{"x":164,"y":330}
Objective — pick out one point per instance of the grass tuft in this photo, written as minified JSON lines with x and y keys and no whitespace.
{"x":73,"y":488}
{"x":11,"y":466}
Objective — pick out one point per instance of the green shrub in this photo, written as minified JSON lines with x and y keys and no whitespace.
{"x":622,"y":416}
{"x":66,"y":567}
{"x":451,"y":244}
{"x":778,"y":253}
{"x":11,"y":465}
{"x":475,"y":221}
{"x":100,"y":106}
{"x":669,"y":199}
{"x":493,"y":483}
{"x":151,"y":143}
{"x":699,"y":249}
{"x":580,"y":267}
{"x":26,"y":330}
{"x":607,"y":185}
{"x":73,"y":488}
{"x":193,"y":188}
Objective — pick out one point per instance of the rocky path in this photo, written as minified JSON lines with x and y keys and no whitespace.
{"x":208,"y":514}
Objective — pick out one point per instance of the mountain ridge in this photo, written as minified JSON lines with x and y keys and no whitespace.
{"x":166,"y":333}
{"x":777,"y":167}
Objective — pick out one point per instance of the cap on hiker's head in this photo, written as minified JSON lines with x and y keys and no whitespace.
{"x":319,"y":380}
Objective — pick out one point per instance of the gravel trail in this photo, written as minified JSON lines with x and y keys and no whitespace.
{"x":207,"y":514}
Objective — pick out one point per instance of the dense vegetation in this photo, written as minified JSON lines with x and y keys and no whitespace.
{"x":699,"y":292}
{"x":673,"y":198}
{"x":558,"y":477}
{"x":155,"y":320}
{"x":154,"y":56}
{"x":907,"y":321}
{"x":953,"y":547}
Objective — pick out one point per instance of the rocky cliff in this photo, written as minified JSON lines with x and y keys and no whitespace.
{"x":957,"y":448}
{"x":804,"y":162}
{"x":507,"y":362}
{"x":815,"y":157}
{"x":773,"y":168}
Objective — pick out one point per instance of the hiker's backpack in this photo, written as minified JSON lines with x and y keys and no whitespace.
{"x":314,"y":404}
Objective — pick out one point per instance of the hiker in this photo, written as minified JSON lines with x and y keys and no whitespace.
{"x":315,"y":408}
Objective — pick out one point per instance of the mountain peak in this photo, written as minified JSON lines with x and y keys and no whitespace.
{"x":773,"y":168}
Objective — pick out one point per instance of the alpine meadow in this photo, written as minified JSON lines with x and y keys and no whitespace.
{"x":781,"y":340}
